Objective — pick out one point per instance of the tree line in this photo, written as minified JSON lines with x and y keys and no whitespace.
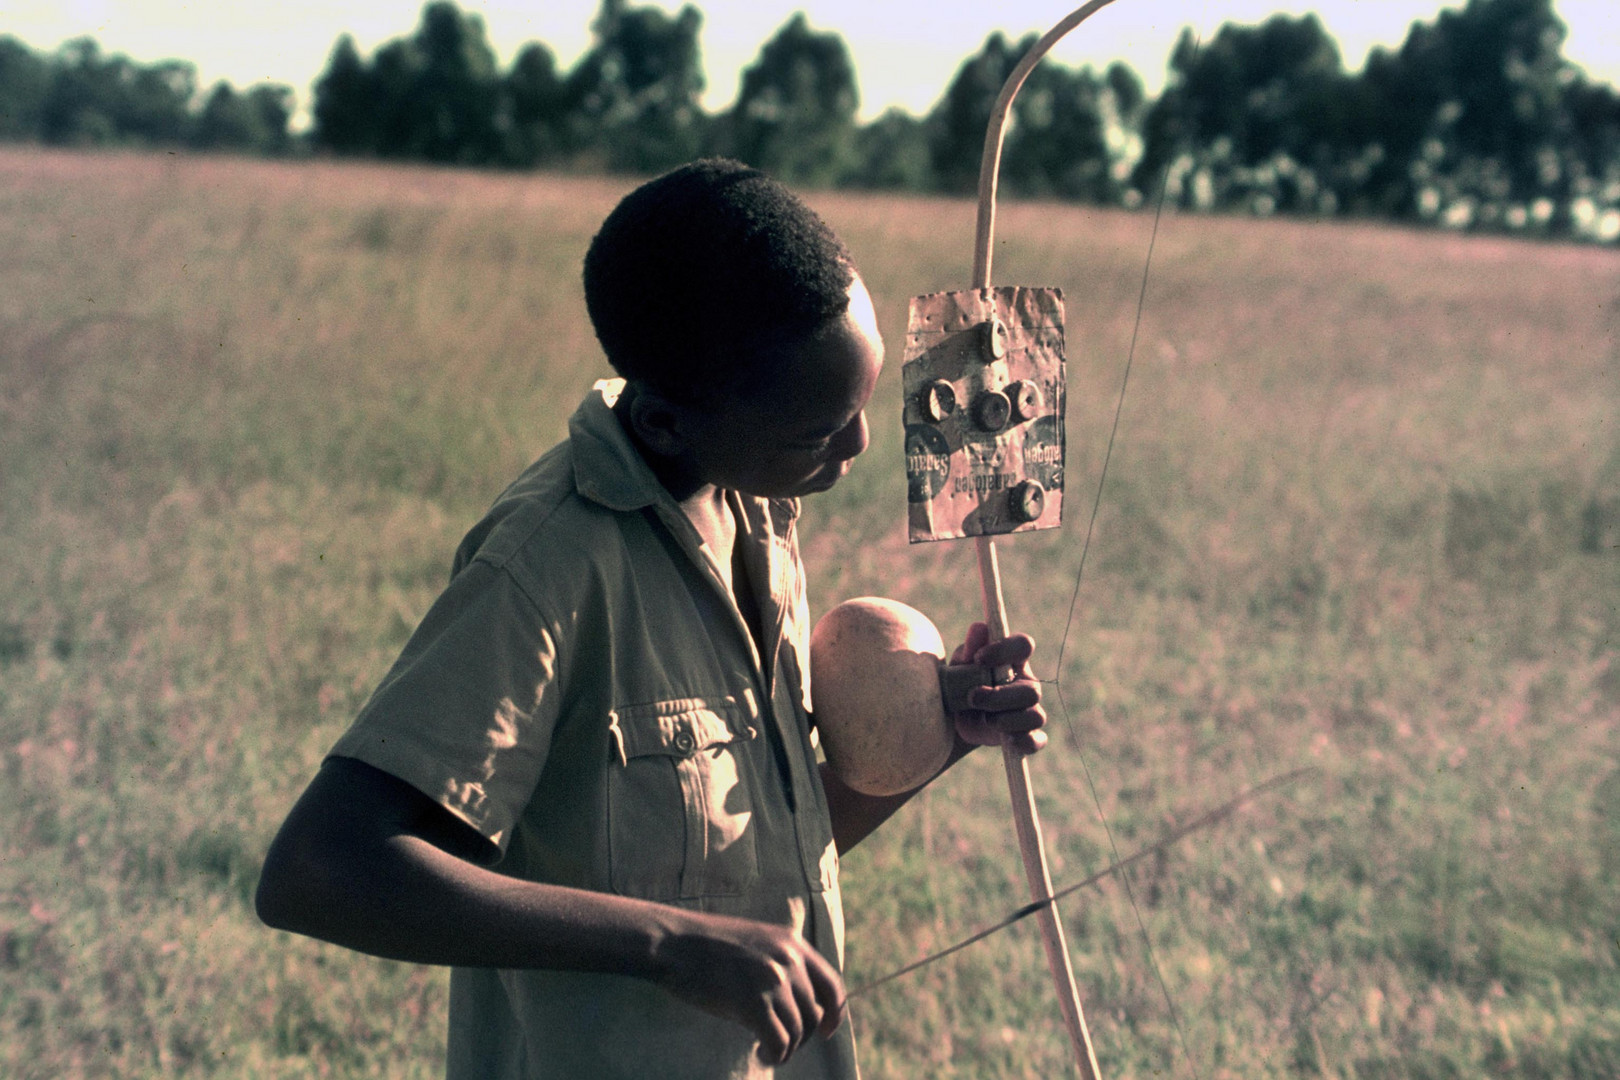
{"x":1475,"y":121}
{"x":80,"y":96}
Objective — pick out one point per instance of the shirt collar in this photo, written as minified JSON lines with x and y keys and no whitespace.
{"x":607,"y":467}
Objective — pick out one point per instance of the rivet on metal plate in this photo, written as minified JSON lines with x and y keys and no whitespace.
{"x":1027,"y":500}
{"x":991,"y":410}
{"x":1026,"y":400}
{"x":995,"y":337}
{"x":938,"y":400}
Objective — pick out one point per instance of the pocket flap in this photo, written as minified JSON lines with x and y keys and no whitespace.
{"x":679,"y":727}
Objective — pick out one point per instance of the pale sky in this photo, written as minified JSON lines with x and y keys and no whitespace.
{"x":905,"y":52}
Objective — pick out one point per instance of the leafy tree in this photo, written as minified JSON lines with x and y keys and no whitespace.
{"x":1472,"y":112}
{"x":1056,"y":145}
{"x":344,"y":110}
{"x":1475,"y":121}
{"x":225,"y":121}
{"x":155,"y":104}
{"x":956,"y":124}
{"x":892,"y":152}
{"x":272,"y":105}
{"x":95,"y":99}
{"x":1068,"y":134}
{"x":1248,"y":117}
{"x":532,"y":115}
{"x":429,"y":97}
{"x":1592,"y":157}
{"x":1129,"y":93}
{"x":633,"y":97}
{"x":449,"y":101}
{"x":795,"y":110}
{"x":255,"y":121}
{"x":83,"y":103}
{"x":25,"y":81}
{"x":82,"y":96}
{"x":395,"y":67}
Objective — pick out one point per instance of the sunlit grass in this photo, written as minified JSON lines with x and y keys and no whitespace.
{"x":1363,"y":514}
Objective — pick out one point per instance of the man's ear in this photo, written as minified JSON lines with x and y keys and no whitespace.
{"x":658,"y":422}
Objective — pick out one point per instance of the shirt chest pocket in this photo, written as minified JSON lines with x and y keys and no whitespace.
{"x":680,"y":809}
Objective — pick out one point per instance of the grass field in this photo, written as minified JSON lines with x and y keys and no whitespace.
{"x":1364,"y":514}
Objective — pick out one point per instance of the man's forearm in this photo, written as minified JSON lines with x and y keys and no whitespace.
{"x":367,"y":862}
{"x":436,"y":909}
{"x":856,"y":816}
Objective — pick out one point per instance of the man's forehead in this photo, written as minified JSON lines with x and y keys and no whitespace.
{"x":830,"y":376}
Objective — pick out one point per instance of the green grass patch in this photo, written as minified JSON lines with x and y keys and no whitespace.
{"x":1364,"y":514}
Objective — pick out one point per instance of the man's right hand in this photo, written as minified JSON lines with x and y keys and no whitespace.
{"x":763,"y":976}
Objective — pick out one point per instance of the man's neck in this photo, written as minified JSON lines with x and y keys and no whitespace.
{"x":704,"y":505}
{"x":673,"y":474}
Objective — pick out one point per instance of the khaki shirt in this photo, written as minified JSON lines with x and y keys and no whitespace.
{"x":586,"y":696}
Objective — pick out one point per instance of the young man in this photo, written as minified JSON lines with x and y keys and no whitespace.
{"x":589,"y":782}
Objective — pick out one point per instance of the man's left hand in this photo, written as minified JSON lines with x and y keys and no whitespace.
{"x":987,"y":712}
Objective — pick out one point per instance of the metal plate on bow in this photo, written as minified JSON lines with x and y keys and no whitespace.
{"x":984,"y":396}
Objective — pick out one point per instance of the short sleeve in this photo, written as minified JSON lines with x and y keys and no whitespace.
{"x":466,"y":714}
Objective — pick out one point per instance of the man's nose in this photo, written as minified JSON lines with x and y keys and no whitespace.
{"x":853,"y":440}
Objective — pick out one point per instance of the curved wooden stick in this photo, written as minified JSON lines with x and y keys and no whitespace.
{"x":1027,"y":821}
{"x":990,"y":160}
{"x":1025,"y":817}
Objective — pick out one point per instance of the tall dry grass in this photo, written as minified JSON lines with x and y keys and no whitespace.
{"x":1363,"y":514}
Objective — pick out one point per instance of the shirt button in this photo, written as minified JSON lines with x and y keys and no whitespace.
{"x":684,"y":742}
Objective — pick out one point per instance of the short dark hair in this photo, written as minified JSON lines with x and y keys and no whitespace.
{"x":696,"y":273}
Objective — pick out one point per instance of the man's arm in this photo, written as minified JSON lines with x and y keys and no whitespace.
{"x":366,"y":861}
{"x":856,"y":816}
{"x":986,"y":715}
